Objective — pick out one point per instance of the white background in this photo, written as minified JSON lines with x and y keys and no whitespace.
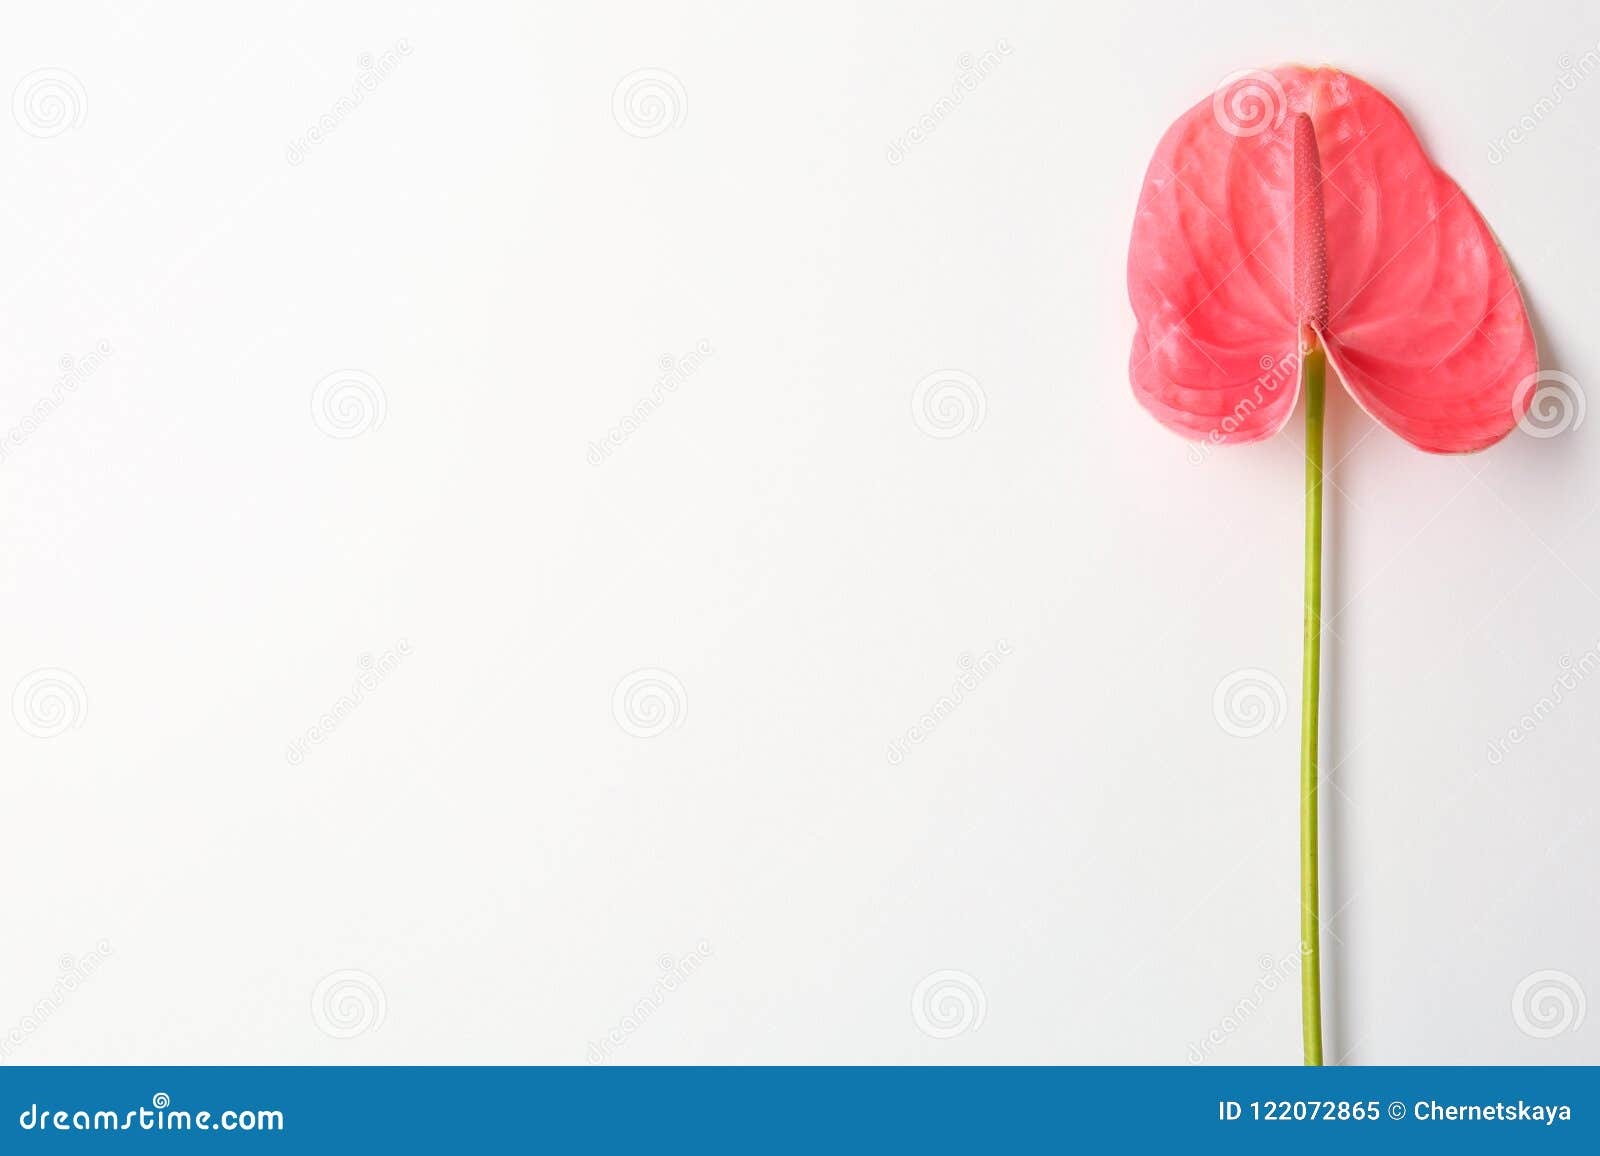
{"x":482,"y":841}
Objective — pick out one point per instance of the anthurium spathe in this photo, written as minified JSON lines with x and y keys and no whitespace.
{"x":1292,"y":219}
{"x":1415,"y":306}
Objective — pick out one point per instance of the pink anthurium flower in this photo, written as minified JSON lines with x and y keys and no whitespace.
{"x":1299,"y":199}
{"x":1291,"y":220}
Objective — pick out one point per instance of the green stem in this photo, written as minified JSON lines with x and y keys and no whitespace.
{"x":1313,"y":367}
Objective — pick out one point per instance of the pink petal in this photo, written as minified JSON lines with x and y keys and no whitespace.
{"x":1423,"y":321}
